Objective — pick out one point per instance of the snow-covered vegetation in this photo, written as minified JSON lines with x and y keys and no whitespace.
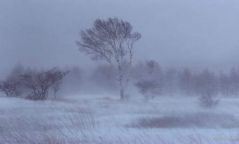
{"x":164,"y":106}
{"x":104,"y":119}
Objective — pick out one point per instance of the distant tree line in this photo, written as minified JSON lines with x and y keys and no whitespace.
{"x":185,"y":81}
{"x":152,"y":80}
{"x":148,"y":77}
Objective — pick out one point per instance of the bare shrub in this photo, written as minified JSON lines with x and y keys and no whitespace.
{"x":208,"y":101}
{"x":39,"y":83}
{"x":147,"y":76}
{"x":148,"y":88}
{"x":12,"y":85}
{"x":9,"y":88}
{"x":206,"y":86}
{"x":32,"y":84}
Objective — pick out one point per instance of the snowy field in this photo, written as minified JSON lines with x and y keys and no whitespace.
{"x":92,"y":119}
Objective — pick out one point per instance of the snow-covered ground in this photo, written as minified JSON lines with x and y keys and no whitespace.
{"x":104,"y":119}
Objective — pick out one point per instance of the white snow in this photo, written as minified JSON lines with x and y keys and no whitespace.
{"x":104,"y":119}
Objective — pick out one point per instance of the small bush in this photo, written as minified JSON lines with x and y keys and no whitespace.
{"x":34,"y":85}
{"x":208,"y":101}
{"x":148,"y":88}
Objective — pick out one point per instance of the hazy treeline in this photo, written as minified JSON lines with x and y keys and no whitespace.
{"x":148,"y":77}
{"x":151,"y":78}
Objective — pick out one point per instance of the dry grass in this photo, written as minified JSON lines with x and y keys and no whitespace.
{"x":195,"y":120}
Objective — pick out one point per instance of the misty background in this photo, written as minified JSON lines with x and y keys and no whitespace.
{"x":192,"y":33}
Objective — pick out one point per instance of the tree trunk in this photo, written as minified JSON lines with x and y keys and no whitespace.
{"x":122,"y":93}
{"x":123,"y":79}
{"x":123,"y":83}
{"x":122,"y":89}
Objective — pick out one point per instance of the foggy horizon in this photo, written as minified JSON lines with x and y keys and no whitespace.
{"x":194,"y":34}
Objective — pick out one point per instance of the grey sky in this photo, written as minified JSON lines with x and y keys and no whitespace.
{"x":195,"y":33}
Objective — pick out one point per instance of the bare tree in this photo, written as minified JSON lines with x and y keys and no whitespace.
{"x":148,"y":78}
{"x":39,"y":83}
{"x":207,"y":87}
{"x":11,"y":86}
{"x":56,"y":87}
{"x":149,"y":88}
{"x":186,"y":81}
{"x":111,"y":40}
